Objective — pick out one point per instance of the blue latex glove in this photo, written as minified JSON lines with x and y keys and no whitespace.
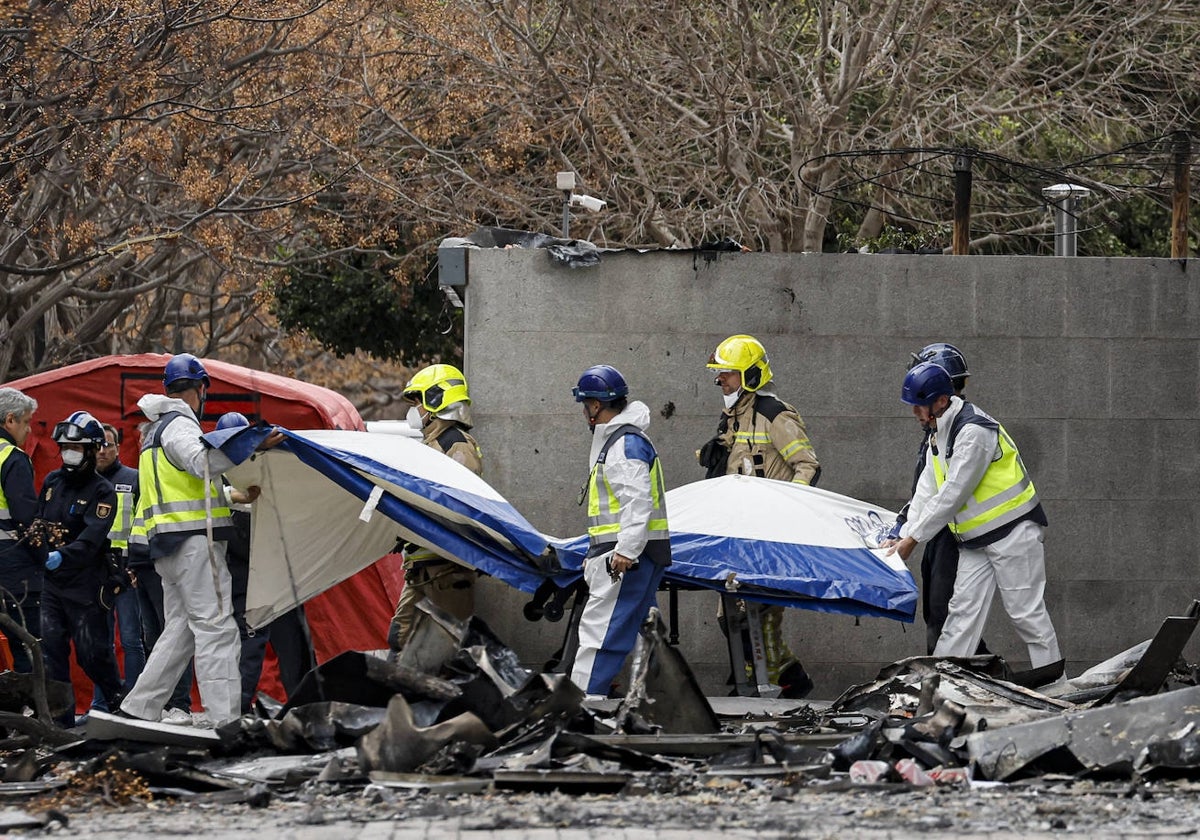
{"x":894,"y":533}
{"x":53,"y":560}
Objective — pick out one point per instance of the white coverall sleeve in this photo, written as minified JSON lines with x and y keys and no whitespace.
{"x":974,"y":449}
{"x":181,"y":441}
{"x":630,"y":482}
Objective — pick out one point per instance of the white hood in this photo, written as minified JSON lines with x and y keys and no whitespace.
{"x":156,"y":405}
{"x":635,"y":414}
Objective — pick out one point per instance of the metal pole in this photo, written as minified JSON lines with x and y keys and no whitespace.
{"x":1180,"y":196}
{"x":1066,"y":199}
{"x":961,"y":243}
{"x":566,"y":225}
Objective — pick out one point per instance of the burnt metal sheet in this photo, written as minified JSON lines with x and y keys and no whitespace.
{"x":663,"y":691}
{"x":448,"y":785}
{"x":103,"y":726}
{"x":399,"y":745}
{"x":1151,"y":671}
{"x":366,"y":680}
{"x":564,"y":781}
{"x":1102,"y":739}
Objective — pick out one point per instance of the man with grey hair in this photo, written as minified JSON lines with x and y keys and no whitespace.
{"x":20,"y":570}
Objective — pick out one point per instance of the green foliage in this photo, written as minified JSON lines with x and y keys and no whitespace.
{"x":893,"y":238}
{"x":363,"y":303}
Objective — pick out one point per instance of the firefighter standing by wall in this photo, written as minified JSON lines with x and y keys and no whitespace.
{"x":759,"y":434}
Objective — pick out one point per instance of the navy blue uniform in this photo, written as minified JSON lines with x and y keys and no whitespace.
{"x":73,"y":605}
{"x":20,"y":567}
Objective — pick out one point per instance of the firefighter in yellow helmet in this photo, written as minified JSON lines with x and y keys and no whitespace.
{"x":440,"y":409}
{"x":759,"y":434}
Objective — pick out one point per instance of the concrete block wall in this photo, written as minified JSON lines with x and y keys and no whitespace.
{"x":1092,"y":364}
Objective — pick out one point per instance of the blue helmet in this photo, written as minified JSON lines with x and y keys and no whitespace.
{"x":924,"y":383}
{"x":946,"y":355}
{"x":80,"y":427}
{"x":184,"y":366}
{"x":232,"y":419}
{"x":600,"y":382}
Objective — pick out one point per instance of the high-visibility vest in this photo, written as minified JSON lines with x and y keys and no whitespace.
{"x":604,"y":508}
{"x":171,"y":504}
{"x":1004,"y":495}
{"x":118,"y":535}
{"x":8,"y":530}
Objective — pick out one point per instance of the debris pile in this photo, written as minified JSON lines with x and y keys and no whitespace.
{"x":456,"y":713}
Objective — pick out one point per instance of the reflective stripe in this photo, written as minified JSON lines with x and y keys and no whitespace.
{"x":8,"y":535}
{"x":6,"y":449}
{"x":118,"y":535}
{"x":604,"y":508}
{"x":1004,"y":494}
{"x":172,"y":501}
{"x":794,"y":447}
{"x":752,"y":436}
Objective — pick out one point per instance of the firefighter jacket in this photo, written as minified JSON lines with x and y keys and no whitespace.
{"x":625,"y":491}
{"x":125,"y":484}
{"x":766,"y":437}
{"x":973,"y":481}
{"x":82,"y":506}
{"x":451,"y":439}
{"x":20,"y":569}
{"x":175,"y":500}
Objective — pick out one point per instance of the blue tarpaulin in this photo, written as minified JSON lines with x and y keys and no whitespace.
{"x":333,"y":502}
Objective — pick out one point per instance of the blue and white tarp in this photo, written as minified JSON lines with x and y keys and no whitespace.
{"x":782,"y":543}
{"x":333,"y":502}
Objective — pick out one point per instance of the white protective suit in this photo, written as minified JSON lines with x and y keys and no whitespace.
{"x":1015,"y":564}
{"x":197,"y":593}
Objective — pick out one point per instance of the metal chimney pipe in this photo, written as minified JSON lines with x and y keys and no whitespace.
{"x":1066,"y":199}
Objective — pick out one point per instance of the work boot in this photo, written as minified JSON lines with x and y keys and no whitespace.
{"x":794,"y":682}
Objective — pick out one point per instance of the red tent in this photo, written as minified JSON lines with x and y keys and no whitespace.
{"x":354,"y":615}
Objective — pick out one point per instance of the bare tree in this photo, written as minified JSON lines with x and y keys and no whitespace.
{"x":167,"y":167}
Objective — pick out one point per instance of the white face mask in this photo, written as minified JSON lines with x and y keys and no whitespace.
{"x":414,"y":418}
{"x":72,"y":457}
{"x":731,"y":399}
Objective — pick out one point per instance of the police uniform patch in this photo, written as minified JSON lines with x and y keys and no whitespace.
{"x":103,"y":510}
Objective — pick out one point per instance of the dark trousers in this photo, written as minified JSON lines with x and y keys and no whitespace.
{"x":86,"y":625}
{"x":126,"y":616}
{"x":288,"y":635}
{"x":150,"y":601}
{"x":29,"y":609}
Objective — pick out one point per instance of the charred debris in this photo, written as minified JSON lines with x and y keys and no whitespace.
{"x":458,"y":714}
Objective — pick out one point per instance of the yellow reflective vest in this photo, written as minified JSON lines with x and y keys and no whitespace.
{"x":8,"y":529}
{"x":1003,"y":496}
{"x":173,"y":504}
{"x":604,"y":508}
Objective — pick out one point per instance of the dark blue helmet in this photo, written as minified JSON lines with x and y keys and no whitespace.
{"x":946,"y":355}
{"x":232,"y":419}
{"x":184,"y":366}
{"x":600,"y":382}
{"x":924,"y":383}
{"x":80,"y":427}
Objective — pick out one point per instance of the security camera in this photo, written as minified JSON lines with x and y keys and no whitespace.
{"x":588,"y":202}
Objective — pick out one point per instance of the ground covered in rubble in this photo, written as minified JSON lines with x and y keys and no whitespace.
{"x":763,"y":808}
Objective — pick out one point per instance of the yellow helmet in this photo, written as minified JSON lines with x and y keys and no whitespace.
{"x":746,"y":355}
{"x":437,"y":387}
